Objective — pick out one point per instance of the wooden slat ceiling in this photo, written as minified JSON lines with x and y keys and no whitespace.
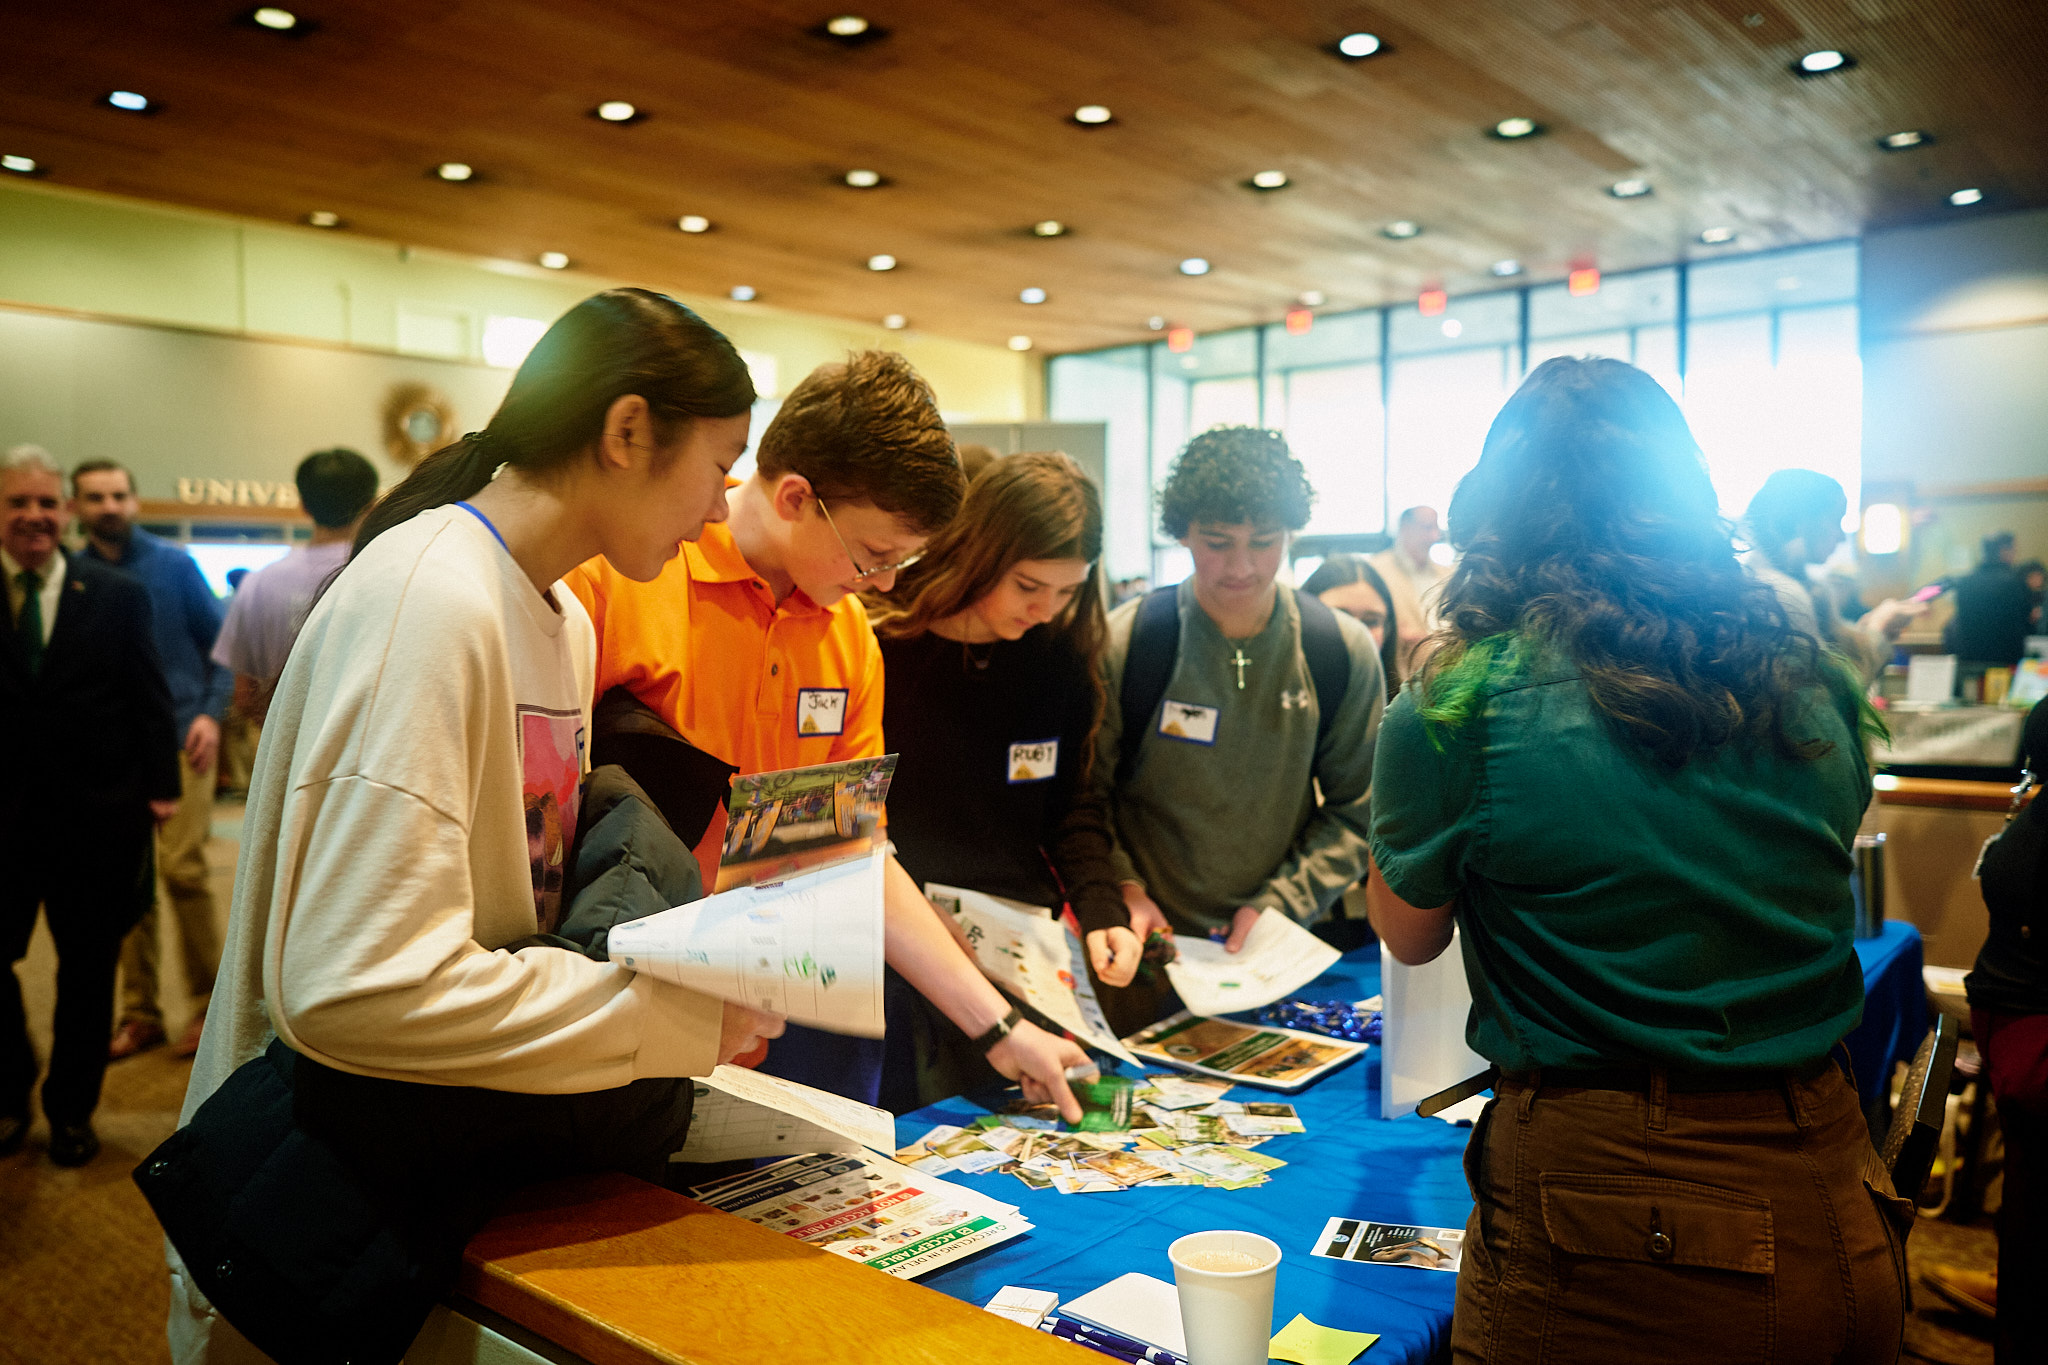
{"x":965,"y":109}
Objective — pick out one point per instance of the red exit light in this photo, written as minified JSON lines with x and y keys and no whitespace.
{"x":1299,"y":320}
{"x":1583,"y":281}
{"x":1180,"y":339}
{"x":1433,"y":302}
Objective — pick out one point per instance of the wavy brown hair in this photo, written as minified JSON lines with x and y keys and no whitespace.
{"x":1589,"y":526}
{"x":1033,"y":506}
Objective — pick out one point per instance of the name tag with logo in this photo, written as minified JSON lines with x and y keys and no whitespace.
{"x":1033,"y":762}
{"x":1188,"y":723}
{"x":820,"y":711}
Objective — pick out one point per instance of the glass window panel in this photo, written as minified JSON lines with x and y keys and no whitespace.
{"x":1333,"y":339}
{"x":1441,"y":408}
{"x":1753,"y":415}
{"x":1477,"y":320}
{"x":1616,"y":345}
{"x":1222,"y":403}
{"x":1775,"y":279}
{"x":1657,"y":356}
{"x":1639,"y":298}
{"x":1221,"y":355}
{"x":1333,"y":427}
{"x":1820,"y":378}
{"x":1109,"y":387}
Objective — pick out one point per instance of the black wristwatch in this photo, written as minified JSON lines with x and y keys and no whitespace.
{"x":1000,"y":1031}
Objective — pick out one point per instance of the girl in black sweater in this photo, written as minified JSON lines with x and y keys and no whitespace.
{"x":990,"y":645}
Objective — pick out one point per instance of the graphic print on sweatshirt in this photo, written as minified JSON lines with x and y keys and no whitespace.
{"x":551,"y":765}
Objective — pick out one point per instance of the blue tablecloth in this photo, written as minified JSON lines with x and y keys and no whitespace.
{"x":1894,"y":1007}
{"x":1349,"y":1163}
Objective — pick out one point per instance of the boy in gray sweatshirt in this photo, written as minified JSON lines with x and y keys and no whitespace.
{"x":1216,"y":811}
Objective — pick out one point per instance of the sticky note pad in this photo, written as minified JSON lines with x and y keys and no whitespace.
{"x":1307,"y":1344}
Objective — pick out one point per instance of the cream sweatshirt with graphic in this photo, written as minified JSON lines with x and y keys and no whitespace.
{"x":385,"y":858}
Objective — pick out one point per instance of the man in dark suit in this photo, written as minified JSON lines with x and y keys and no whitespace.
{"x":93,"y":743}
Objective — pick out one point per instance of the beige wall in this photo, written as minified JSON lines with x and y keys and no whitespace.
{"x":195,"y":345}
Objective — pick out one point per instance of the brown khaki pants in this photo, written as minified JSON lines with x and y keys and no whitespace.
{"x":1614,"y":1225}
{"x":181,"y":866}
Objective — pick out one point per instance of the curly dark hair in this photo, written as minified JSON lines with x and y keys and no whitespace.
{"x":1589,"y":525}
{"x":1233,"y":475}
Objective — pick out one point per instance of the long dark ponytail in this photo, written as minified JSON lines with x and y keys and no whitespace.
{"x":623,"y":341}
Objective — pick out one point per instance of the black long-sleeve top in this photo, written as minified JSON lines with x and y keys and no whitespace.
{"x":991,"y":792}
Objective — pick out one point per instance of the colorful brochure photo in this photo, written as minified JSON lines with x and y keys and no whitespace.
{"x":1351,"y":1239}
{"x":1251,"y":1054}
{"x":798,"y":820}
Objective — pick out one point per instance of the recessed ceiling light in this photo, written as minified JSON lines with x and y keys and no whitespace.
{"x":129,"y":101}
{"x":1508,"y":267}
{"x":1049,"y":227}
{"x":455,"y":171}
{"x":850,"y":30}
{"x":882,"y":262}
{"x":1716,"y":236}
{"x":1194,"y":265}
{"x":863,"y":179}
{"x":1632,"y":188}
{"x":895,"y":322}
{"x":1822,"y":62}
{"x":277,"y":20}
{"x":693,"y":222}
{"x":1356,"y":45}
{"x":1094,"y":115}
{"x":1401,"y":230}
{"x":20,"y":165}
{"x":323,"y":218}
{"x":741,"y":293}
{"x":554,"y":260}
{"x":1269,"y":180}
{"x":1453,"y":328}
{"x":1509,"y":129}
{"x":1032,"y":295}
{"x":1905,"y":140}
{"x":846,"y":26}
{"x":1155,"y":323}
{"x":617,"y":111}
{"x":1965,"y":198}
{"x":1020,"y":343}
{"x":1312,"y":298}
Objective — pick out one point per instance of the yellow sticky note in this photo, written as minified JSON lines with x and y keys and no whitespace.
{"x":1304,"y":1342}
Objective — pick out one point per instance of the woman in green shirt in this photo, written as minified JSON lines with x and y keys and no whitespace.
{"x":1634,"y":787}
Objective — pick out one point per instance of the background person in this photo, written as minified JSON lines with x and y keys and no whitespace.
{"x":1794,"y":524}
{"x":753,"y":648}
{"x":1350,"y":584}
{"x":336,"y":487}
{"x":1416,"y":580}
{"x":1994,"y":609}
{"x":93,"y":768}
{"x":187,"y":619}
{"x":1672,"y":1168}
{"x":990,"y":646}
{"x":1237,"y":743}
{"x":443,"y":677}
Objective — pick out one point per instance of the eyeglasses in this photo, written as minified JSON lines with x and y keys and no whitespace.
{"x":860,"y":573}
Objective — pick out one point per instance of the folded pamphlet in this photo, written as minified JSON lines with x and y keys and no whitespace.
{"x":739,"y":1114}
{"x":1278,"y":958}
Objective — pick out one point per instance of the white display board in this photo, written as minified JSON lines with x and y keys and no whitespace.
{"x":1422,"y":1037}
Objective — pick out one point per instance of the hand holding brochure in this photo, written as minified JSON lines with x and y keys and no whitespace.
{"x":809,"y":948}
{"x":1027,"y":952}
{"x":1278,"y":958}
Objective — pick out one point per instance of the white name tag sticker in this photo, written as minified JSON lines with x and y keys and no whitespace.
{"x":820,"y":711}
{"x":1033,"y":762}
{"x":1189,"y":723}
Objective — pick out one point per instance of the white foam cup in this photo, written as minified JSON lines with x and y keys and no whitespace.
{"x":1227,"y":1314}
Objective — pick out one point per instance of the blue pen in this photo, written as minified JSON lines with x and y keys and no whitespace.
{"x":1104,"y":1340}
{"x":1053,"y":1328}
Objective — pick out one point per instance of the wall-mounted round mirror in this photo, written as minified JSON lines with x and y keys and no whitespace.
{"x":418,"y":420}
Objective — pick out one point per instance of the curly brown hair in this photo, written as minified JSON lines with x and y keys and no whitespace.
{"x":1232,"y":475}
{"x":868,"y":430}
{"x":1589,"y":525}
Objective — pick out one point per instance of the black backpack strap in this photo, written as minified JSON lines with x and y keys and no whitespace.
{"x":1329,"y":663}
{"x":1148,"y":667}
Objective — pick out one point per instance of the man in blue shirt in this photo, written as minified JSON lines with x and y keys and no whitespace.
{"x":187,"y":617}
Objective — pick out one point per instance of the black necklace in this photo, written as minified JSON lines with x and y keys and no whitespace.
{"x":978,"y":655}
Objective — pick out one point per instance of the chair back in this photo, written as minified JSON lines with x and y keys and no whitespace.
{"x":1910,"y":1144}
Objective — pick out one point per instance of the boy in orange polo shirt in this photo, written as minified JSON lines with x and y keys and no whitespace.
{"x":752,"y":645}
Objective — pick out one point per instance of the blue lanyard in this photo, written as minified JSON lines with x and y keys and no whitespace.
{"x":487,"y":525}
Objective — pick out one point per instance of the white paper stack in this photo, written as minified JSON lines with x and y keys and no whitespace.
{"x":1277,"y":958}
{"x":739,"y":1114}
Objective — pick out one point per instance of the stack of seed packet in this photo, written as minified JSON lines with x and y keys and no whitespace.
{"x":1157,"y":1131}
